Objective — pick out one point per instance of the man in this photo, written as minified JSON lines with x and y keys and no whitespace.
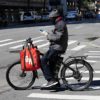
{"x":58,"y":39}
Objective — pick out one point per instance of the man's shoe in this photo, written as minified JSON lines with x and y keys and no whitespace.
{"x":50,"y":84}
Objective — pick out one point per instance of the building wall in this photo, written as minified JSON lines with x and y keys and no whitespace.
{"x":23,"y":3}
{"x":11,"y":8}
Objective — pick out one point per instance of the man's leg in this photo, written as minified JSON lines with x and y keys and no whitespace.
{"x":47,"y":68}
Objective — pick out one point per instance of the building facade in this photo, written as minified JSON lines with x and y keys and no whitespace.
{"x":11,"y":8}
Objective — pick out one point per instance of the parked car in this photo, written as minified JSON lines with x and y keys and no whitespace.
{"x":45,"y":17}
{"x":29,"y":17}
{"x":3,"y":21}
{"x":73,"y":15}
{"x":89,"y":14}
{"x":26,"y":17}
{"x":37,"y":17}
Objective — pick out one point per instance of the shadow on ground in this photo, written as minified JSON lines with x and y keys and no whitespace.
{"x":95,"y":85}
{"x":49,"y":23}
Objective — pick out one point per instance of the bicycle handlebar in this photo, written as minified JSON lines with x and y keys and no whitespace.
{"x":29,"y":40}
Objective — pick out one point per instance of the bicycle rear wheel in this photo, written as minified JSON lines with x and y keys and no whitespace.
{"x":18,"y":79}
{"x":77,"y":74}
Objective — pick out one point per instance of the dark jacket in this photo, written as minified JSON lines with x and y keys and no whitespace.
{"x":59,"y":36}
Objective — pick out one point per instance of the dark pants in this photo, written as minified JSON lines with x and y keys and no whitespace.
{"x":48,"y":63}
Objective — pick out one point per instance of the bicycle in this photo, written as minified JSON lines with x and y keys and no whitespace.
{"x":72,"y":73}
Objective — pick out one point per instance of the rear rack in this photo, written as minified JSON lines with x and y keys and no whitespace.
{"x":82,"y":57}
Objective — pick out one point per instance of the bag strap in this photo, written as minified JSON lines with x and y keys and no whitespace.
{"x":24,"y":59}
{"x":31,"y":56}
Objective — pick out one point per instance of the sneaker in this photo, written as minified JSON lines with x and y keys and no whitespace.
{"x":49,"y":84}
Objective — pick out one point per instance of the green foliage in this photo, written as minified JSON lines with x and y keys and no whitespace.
{"x":84,"y":3}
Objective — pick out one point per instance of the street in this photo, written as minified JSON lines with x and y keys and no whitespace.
{"x":83,"y":40}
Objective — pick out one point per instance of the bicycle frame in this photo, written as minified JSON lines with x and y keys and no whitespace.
{"x":60,"y":72}
{"x":73,"y":58}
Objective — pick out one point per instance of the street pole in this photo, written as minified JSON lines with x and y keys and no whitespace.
{"x":64,"y":5}
{"x":28,"y":5}
{"x":44,"y":6}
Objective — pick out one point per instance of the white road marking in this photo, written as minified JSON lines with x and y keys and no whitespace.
{"x":93,"y":56}
{"x":91,"y":61}
{"x":43,"y":45}
{"x":84,"y":71}
{"x":97,"y":72}
{"x":95,"y":88}
{"x":5,"y":44}
{"x":38,"y":37}
{"x":6,"y":40}
{"x":78,"y":48}
{"x":18,"y":46}
{"x":18,"y":41}
{"x":94,"y":51}
{"x":84,"y":78}
{"x":40,"y":46}
{"x":63,"y":97}
{"x":71,"y":42}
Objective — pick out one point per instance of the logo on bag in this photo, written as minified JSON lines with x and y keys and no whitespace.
{"x":28,"y":60}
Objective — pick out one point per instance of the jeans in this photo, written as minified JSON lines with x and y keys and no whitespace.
{"x":48,"y":63}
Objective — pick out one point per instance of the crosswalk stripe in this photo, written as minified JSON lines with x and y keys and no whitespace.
{"x":94,"y":56}
{"x":6,"y":40}
{"x":84,"y":78}
{"x":43,"y":45}
{"x":78,"y":48}
{"x":39,"y":46}
{"x":63,"y":97}
{"x":71,"y":42}
{"x":5,"y":44}
{"x":97,"y":72}
{"x":84,"y":71}
{"x":95,"y":88}
{"x":18,"y":46}
{"x":94,"y":51}
{"x":18,"y":41}
{"x":91,"y":61}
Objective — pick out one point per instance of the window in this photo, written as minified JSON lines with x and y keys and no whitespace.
{"x":54,"y":2}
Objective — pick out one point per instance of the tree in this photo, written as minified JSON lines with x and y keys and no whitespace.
{"x":84,"y":4}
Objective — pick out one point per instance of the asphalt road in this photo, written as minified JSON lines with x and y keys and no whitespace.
{"x":81,"y":35}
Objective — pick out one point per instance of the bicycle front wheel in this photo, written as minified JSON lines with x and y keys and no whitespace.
{"x":18,"y":79}
{"x":77,"y":74}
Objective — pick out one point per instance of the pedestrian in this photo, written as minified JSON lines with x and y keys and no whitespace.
{"x":58,"y":39}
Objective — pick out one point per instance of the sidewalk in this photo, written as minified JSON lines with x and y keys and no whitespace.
{"x":19,"y":25}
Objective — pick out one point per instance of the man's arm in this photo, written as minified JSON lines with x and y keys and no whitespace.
{"x":56,"y":34}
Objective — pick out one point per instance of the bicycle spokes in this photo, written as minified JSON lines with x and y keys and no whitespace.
{"x":78,"y":75}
